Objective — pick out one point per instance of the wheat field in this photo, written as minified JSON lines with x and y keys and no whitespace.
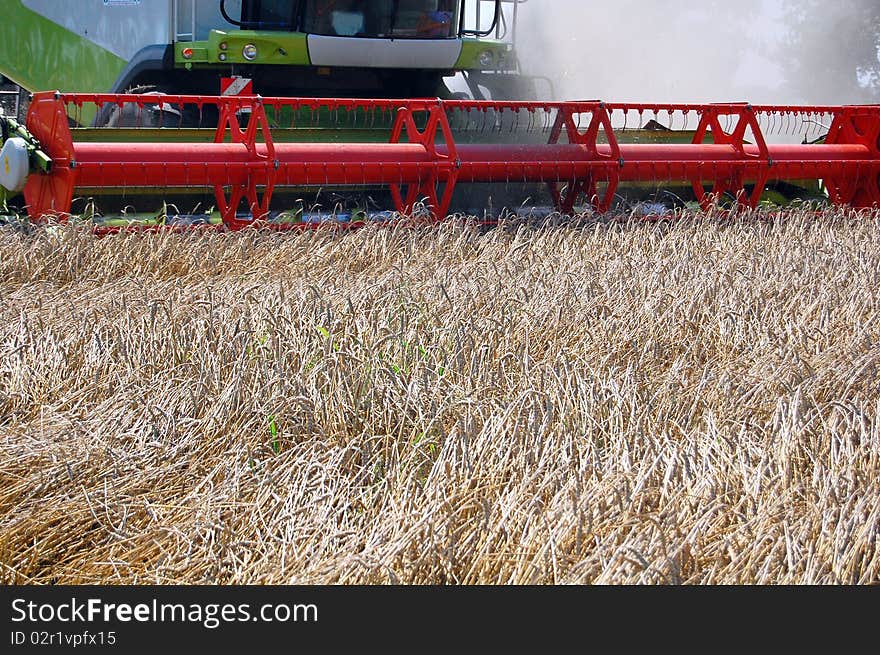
{"x":686,"y":402}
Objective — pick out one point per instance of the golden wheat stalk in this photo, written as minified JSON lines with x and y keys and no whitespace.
{"x":687,"y":402}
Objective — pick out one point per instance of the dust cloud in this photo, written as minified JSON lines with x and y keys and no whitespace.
{"x":647,"y":51}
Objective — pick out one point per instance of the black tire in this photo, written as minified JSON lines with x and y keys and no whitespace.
{"x":155,"y":114}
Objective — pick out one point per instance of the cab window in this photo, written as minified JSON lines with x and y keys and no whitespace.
{"x":416,"y":19}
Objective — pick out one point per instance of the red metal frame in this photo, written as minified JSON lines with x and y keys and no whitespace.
{"x":587,"y":186}
{"x":428,"y":164}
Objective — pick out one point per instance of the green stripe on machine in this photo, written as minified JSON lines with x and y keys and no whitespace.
{"x":52,"y":57}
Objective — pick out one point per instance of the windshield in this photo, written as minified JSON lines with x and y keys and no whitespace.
{"x":402,"y":19}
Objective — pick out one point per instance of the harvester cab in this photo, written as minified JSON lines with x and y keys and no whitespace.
{"x":287,"y":48}
{"x":385,"y":48}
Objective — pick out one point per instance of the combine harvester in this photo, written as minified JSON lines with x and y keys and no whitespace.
{"x":343,"y":111}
